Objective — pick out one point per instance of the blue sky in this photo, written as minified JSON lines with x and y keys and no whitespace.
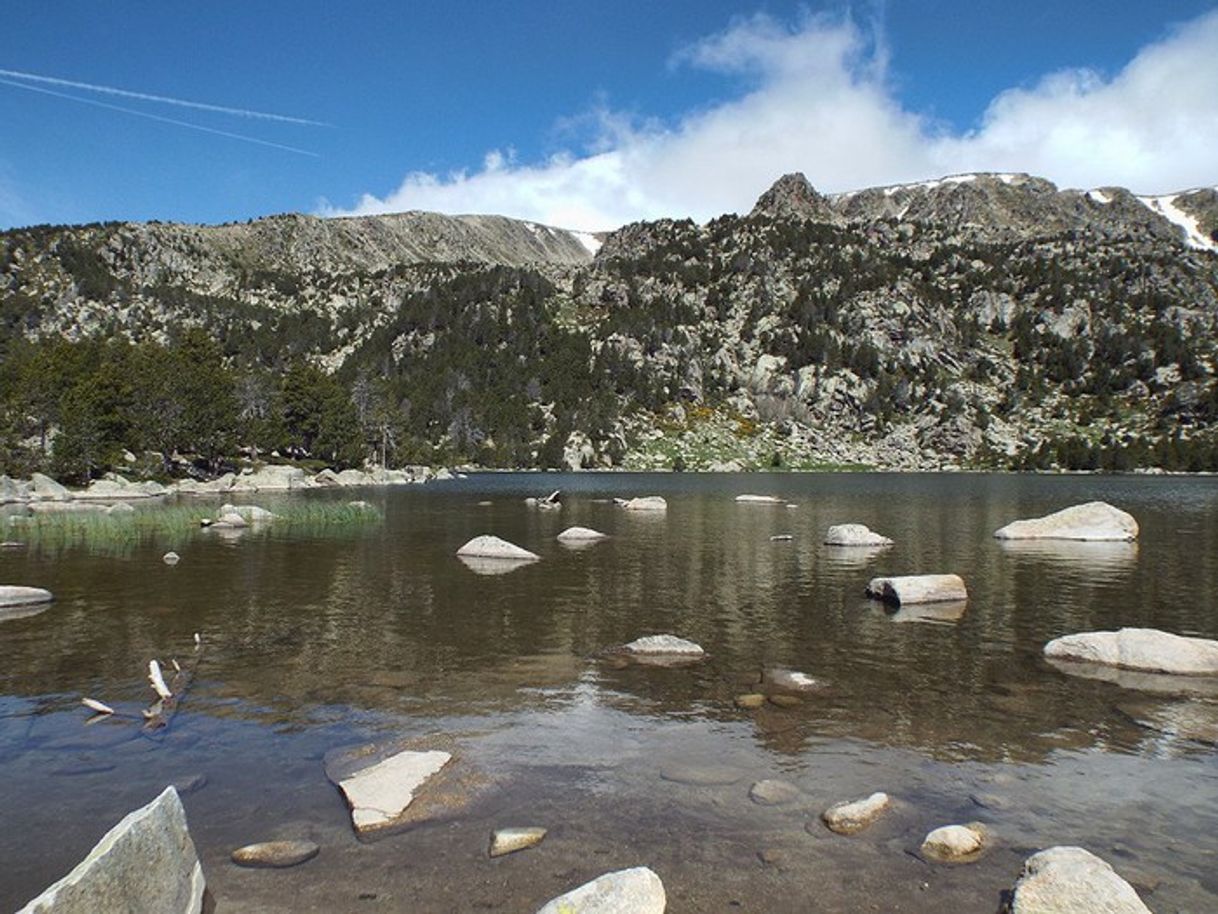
{"x":586,"y":114}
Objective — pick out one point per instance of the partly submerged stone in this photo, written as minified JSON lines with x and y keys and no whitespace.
{"x":275,"y":854}
{"x":758,"y":500}
{"x":791,"y":681}
{"x":1096,"y":520}
{"x":664,"y":646}
{"x":380,"y":793}
{"x":918,"y":588}
{"x":581,"y":535}
{"x":771,"y":792}
{"x":14,"y":595}
{"x":955,"y":843}
{"x":1144,"y":649}
{"x":492,"y":547}
{"x":1062,"y":879}
{"x":854,"y":535}
{"x":510,"y":840}
{"x":171,"y":558}
{"x":855,"y":815}
{"x":644,"y":503}
{"x":147,"y":862}
{"x":633,"y":891}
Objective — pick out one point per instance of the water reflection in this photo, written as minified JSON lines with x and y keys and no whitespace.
{"x":1094,"y":556}
{"x":947,"y":612}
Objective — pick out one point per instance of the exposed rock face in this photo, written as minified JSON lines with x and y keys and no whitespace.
{"x":45,"y":488}
{"x":275,"y":854}
{"x":854,"y":535}
{"x":13,"y":595}
{"x":955,"y":843}
{"x":1062,"y":879}
{"x":1095,"y":520}
{"x":380,"y":793}
{"x":793,"y":197}
{"x":918,"y":588}
{"x":1145,"y":649}
{"x":633,"y":891}
{"x":855,"y":815}
{"x":147,"y":862}
{"x":492,"y":547}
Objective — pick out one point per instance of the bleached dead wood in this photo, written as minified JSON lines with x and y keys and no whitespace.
{"x":94,"y":705}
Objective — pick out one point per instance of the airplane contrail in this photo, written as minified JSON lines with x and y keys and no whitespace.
{"x":161,"y":99}
{"x":157,"y":117}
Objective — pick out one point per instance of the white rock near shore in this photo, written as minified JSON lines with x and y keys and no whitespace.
{"x":492,"y":547}
{"x":855,"y":815}
{"x":1145,"y":649}
{"x":854,"y":535}
{"x":955,"y":843}
{"x":13,"y":595}
{"x":1071,"y":879}
{"x":380,"y":793}
{"x":1095,"y":521}
{"x":147,"y":862}
{"x":633,"y":891}
{"x":918,"y":588}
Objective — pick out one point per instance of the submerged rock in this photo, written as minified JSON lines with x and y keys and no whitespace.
{"x":14,"y":595}
{"x":855,"y":815}
{"x":492,"y":547}
{"x":1095,"y":520}
{"x":772,"y":792}
{"x":955,"y":843}
{"x":380,"y":793}
{"x":510,"y":840}
{"x":275,"y":854}
{"x":697,"y":775}
{"x":1071,"y":879}
{"x":918,"y":588}
{"x":854,"y":535}
{"x":147,"y":862}
{"x":633,"y":891}
{"x":232,"y":520}
{"x":1144,"y":649}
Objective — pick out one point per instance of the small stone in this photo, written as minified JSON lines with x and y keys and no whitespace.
{"x":773,"y":856}
{"x":792,"y":681}
{"x":773,"y":793}
{"x":509,"y":840}
{"x":855,"y":815}
{"x":171,"y":558}
{"x":276,"y":854}
{"x":750,"y":701}
{"x":785,"y":701}
{"x":955,"y":843}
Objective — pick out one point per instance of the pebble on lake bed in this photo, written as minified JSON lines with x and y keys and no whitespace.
{"x":855,"y":815}
{"x":275,"y":854}
{"x":510,"y":840}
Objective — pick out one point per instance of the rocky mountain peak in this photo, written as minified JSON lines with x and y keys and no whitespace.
{"x":793,"y":197}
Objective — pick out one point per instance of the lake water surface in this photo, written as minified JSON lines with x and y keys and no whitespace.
{"x":314,"y":642}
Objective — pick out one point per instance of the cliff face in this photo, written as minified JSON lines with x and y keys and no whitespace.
{"x":975,"y":320}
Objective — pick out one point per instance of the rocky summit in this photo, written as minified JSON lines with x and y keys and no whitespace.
{"x":989,"y":320}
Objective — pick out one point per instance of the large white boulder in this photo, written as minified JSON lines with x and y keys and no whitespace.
{"x":44,"y":488}
{"x":147,"y":862}
{"x":1071,"y":879}
{"x":1145,"y":649}
{"x":918,"y":588}
{"x":492,"y":547}
{"x":644,"y":503}
{"x":380,"y":793}
{"x":854,"y":535}
{"x":633,"y":891}
{"x":13,"y":595}
{"x":1096,"y":520}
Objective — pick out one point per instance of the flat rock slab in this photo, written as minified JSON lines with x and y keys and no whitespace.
{"x":759,"y":500}
{"x":773,"y":793}
{"x":701,"y":775}
{"x":854,"y":535}
{"x":918,"y":588}
{"x":1143,"y":649}
{"x":510,"y":840}
{"x":855,"y":815}
{"x":13,"y":595}
{"x":1096,"y":520}
{"x":1062,"y":879}
{"x":380,"y":792}
{"x":492,"y":547}
{"x":634,"y":891}
{"x":275,"y":854}
{"x":147,"y":862}
{"x":581,"y":535}
{"x":955,"y":843}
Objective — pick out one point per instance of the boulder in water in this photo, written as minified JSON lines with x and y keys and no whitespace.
{"x":1072,"y":879}
{"x":634,"y":891}
{"x":581,"y":535}
{"x":1096,"y":520}
{"x":644,"y":503}
{"x":664,"y":646}
{"x":492,"y":547}
{"x":855,"y":815}
{"x":918,"y":588}
{"x":13,"y":595}
{"x":854,"y":535}
{"x":1145,"y":649}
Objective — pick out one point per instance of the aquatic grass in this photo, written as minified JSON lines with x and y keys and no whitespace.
{"x":172,"y":525}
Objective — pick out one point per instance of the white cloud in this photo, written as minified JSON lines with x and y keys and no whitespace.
{"x":817,"y":100}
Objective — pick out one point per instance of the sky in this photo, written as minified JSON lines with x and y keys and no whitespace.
{"x":585,"y":114}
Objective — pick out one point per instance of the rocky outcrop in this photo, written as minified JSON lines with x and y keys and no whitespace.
{"x":1143,"y":649}
{"x":793,"y":197}
{"x":492,"y":547}
{"x":918,"y":588}
{"x":854,"y":535}
{"x":1096,"y":520}
{"x":147,"y":862}
{"x":634,"y":891}
{"x":1072,"y":879}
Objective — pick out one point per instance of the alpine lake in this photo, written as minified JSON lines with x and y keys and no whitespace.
{"x":314,"y":640}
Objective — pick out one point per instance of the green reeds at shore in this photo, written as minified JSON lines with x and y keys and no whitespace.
{"x":172,"y":525}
